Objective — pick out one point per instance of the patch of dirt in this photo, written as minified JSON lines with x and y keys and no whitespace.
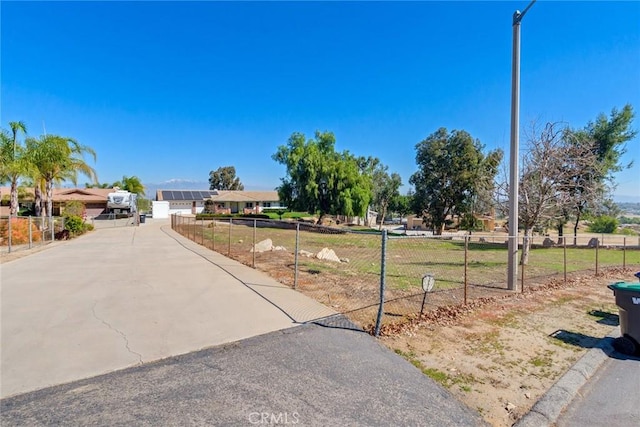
{"x":499,"y":355}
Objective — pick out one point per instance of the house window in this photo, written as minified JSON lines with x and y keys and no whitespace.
{"x":249,"y":204}
{"x":267,"y":204}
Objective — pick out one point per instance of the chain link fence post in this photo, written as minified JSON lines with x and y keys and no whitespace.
{"x":383,"y":266}
{"x":624,"y":252}
{"x":229,"y":248}
{"x":295,"y":257}
{"x":525,"y":241}
{"x":254,"y":243}
{"x":10,"y":233}
{"x":564,"y":256}
{"x":466,"y":265}
{"x":30,"y":234}
{"x":213,"y":234}
{"x":597,"y":247}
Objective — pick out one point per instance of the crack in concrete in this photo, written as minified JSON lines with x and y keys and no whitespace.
{"x":124,"y":337}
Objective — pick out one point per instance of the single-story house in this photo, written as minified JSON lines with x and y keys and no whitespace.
{"x":222,"y":201}
{"x":93,"y":199}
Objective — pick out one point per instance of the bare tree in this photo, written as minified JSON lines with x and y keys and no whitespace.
{"x":552,"y":172}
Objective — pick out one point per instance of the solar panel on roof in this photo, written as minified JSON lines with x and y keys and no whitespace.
{"x":166,"y":195}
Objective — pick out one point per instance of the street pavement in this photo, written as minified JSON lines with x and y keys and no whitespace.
{"x":610,"y":398}
{"x":310,"y":376}
{"x":139,"y":326}
{"x":601,"y":389}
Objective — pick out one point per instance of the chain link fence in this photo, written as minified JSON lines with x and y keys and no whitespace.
{"x":376,"y":278}
{"x":22,"y":233}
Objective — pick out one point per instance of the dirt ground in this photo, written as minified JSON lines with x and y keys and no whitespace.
{"x":500,"y":355}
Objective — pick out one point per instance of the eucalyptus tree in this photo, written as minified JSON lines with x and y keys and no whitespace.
{"x":57,"y":159}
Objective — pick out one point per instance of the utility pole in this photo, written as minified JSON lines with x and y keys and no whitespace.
{"x":512,"y":272}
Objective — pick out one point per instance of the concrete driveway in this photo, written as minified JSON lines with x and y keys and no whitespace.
{"x":120,"y":297}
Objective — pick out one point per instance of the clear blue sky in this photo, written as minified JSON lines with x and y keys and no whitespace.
{"x":173,"y":90}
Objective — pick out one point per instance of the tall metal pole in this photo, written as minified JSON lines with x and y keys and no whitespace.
{"x":512,"y":272}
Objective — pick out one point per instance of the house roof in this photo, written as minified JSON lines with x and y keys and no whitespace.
{"x":67,"y":194}
{"x":218,"y":195}
{"x":81,"y":194}
{"x":183,"y":194}
{"x":245,"y":196}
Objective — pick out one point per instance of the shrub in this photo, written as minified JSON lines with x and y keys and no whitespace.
{"x":74,"y":208}
{"x":604,"y":224}
{"x":19,"y":231}
{"x":74,"y":224}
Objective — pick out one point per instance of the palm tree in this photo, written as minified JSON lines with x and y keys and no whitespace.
{"x":13,"y":162}
{"x":56,"y":159}
{"x":132,"y":184}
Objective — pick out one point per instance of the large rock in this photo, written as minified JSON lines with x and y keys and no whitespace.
{"x":263,"y":246}
{"x":328,"y":255}
{"x":593,"y":242}
{"x":305,"y":253}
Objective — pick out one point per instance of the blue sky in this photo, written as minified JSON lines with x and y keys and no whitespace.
{"x":173,"y":90}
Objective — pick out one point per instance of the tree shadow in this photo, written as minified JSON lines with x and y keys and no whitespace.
{"x":588,"y":342}
{"x":605,"y":318}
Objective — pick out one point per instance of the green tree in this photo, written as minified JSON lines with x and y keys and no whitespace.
{"x":604,"y":224}
{"x":57,"y":159}
{"x":607,"y":138}
{"x":401,"y":204}
{"x":132,"y":184}
{"x":451,"y":172}
{"x":385,"y":189}
{"x":319,"y":179}
{"x":224,"y":178}
{"x":97,"y":185}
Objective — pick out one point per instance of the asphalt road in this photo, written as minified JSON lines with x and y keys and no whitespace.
{"x":311,"y":375}
{"x":610,"y":398}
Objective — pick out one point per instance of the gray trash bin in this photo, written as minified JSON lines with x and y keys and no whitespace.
{"x":143,"y":218}
{"x":628,"y":302}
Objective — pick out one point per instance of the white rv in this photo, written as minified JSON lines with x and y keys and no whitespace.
{"x":121,"y":201}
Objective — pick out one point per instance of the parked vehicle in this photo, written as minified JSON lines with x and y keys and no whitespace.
{"x":122,"y":201}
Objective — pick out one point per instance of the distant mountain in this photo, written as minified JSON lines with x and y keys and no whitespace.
{"x":626,"y":199}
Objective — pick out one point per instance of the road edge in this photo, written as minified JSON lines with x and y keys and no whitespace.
{"x":546,"y":411}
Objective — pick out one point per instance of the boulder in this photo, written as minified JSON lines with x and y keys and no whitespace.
{"x":328,"y":255}
{"x":593,"y":242}
{"x":263,"y":246}
{"x":305,"y":253}
{"x":547,"y":242}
